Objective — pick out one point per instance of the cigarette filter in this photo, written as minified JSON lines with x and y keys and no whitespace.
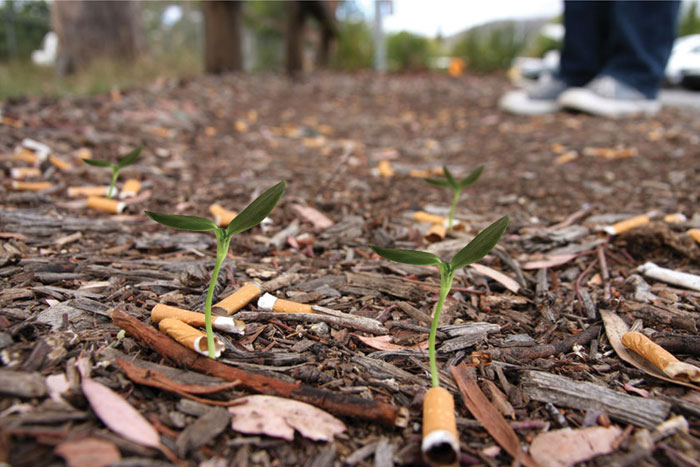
{"x":59,"y":163}
{"x":130,"y":189}
{"x":385,"y":169}
{"x":222,"y":216}
{"x":30,"y":186}
{"x":13,"y":122}
{"x":80,"y":191}
{"x":221,"y":323}
{"x":660,"y":357}
{"x":440,"y":444}
{"x":435,"y":233}
{"x":111,"y":206}
{"x":84,"y":153}
{"x":190,"y":337}
{"x":271,"y":303}
{"x":422,"y":216}
{"x":694,"y":234}
{"x":675,"y":218}
{"x":40,"y":149}
{"x":20,"y":173}
{"x":240,"y":298}
{"x":417,"y":173}
{"x":25,"y":155}
{"x":627,"y":224}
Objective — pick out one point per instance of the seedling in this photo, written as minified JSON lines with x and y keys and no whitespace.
{"x":121,"y":163}
{"x":456,"y":186}
{"x":251,"y":216}
{"x":440,"y":444}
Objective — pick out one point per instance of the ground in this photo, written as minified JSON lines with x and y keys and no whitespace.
{"x":67,"y":270}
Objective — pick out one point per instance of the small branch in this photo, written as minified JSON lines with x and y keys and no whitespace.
{"x":546,"y":350}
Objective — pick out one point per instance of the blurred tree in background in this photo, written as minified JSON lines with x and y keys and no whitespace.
{"x":406,"y":51}
{"x":492,"y":47}
{"x":22,"y":27}
{"x":690,"y":20}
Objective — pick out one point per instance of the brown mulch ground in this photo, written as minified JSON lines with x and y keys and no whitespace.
{"x":65,"y":269}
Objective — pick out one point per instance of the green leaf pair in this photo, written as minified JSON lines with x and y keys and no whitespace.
{"x":456,"y":186}
{"x":125,"y":161}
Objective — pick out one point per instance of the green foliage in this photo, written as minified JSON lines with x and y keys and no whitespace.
{"x":455,"y":185}
{"x":30,"y":21}
{"x":251,"y":216}
{"x":266,"y":22}
{"x":407,"y":52}
{"x":124,"y":161}
{"x":490,"y":49}
{"x":689,"y":22}
{"x":420,"y":258}
{"x":355,"y":48}
{"x":481,"y":244}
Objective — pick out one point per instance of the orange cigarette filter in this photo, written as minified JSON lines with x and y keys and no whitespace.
{"x":675,"y":218}
{"x":81,"y":191}
{"x":30,"y":186}
{"x":627,"y":224}
{"x":435,"y":233}
{"x":694,"y":234}
{"x":20,"y":173}
{"x":111,"y":206}
{"x":269,"y":302}
{"x":385,"y":169}
{"x":440,"y":444}
{"x":130,"y":189}
{"x":222,"y":216}
{"x":25,"y":155}
{"x":422,"y":216}
{"x":190,"y":337}
{"x":660,"y":357}
{"x":221,"y":323}
{"x":240,"y":298}
{"x":59,"y":163}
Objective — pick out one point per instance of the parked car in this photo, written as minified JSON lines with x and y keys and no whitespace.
{"x":683,"y":66}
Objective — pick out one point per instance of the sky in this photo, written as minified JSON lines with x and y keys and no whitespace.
{"x":428,"y":17}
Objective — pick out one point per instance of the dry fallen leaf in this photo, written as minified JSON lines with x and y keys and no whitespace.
{"x":88,"y":452}
{"x":384,"y":343}
{"x":318,"y":219}
{"x":279,"y":417}
{"x":505,"y":281}
{"x":119,"y":415}
{"x":549,"y":262}
{"x":560,"y":448}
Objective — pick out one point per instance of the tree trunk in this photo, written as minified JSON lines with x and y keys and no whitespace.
{"x":222,"y":36}
{"x":90,"y":29}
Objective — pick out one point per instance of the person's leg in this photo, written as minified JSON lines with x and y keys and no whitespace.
{"x":586,"y":37}
{"x":641,"y":38}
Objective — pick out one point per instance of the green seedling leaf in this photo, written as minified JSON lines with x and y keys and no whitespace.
{"x":256,"y":211}
{"x":192,"y":223}
{"x":420,"y":258}
{"x":472,"y":177}
{"x":448,"y":175}
{"x":481,"y":245}
{"x":437,"y":182}
{"x":130,"y":158}
{"x":95,"y":163}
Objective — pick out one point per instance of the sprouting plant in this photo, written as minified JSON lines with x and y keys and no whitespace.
{"x":474,"y":251}
{"x":456,"y":186}
{"x":251,"y":216}
{"x":127,"y":160}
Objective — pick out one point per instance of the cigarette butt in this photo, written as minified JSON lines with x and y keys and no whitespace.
{"x":20,"y":173}
{"x":30,"y":186}
{"x":675,"y":218}
{"x":25,"y":155}
{"x":210,"y":131}
{"x":271,"y":303}
{"x":190,"y":337}
{"x":694,"y":234}
{"x":440,"y":444}
{"x":627,"y":224}
{"x":240,"y":298}
{"x":84,"y":153}
{"x":416,"y":173}
{"x":13,"y":122}
{"x":81,"y":191}
{"x":130,"y":189}
{"x":111,"y":206}
{"x":566,"y":157}
{"x":435,"y":233}
{"x":59,"y":163}
{"x":660,"y":357}
{"x":385,"y":169}
{"x":222,"y":216}
{"x":422,"y":216}
{"x":40,"y":149}
{"x":221,"y":323}
{"x":241,"y":126}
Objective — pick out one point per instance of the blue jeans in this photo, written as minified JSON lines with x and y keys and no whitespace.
{"x":627,"y":40}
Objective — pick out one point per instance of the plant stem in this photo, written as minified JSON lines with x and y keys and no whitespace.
{"x":445,"y":286}
{"x":455,"y":198}
{"x":115,"y":174}
{"x":222,"y":244}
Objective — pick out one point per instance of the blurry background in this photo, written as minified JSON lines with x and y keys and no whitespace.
{"x":108,"y":45}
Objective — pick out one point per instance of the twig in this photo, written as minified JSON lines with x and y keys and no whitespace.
{"x":546,"y":350}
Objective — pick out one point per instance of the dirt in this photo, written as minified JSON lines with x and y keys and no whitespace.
{"x":561,"y":177}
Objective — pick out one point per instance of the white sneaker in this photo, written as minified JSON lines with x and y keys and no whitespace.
{"x":607,"y":97}
{"x":539,"y":99}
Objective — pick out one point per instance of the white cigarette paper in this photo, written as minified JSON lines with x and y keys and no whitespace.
{"x":682,"y":279}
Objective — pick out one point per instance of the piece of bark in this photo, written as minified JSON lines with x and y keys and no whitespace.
{"x":199,"y":433}
{"x":390,"y":285}
{"x":336,"y":403}
{"x":546,"y":350}
{"x":466,"y":335}
{"x":415,"y":313}
{"x":678,"y":343}
{"x":488,"y":415}
{"x":22,"y":384}
{"x":356,"y":322}
{"x":566,"y":392}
